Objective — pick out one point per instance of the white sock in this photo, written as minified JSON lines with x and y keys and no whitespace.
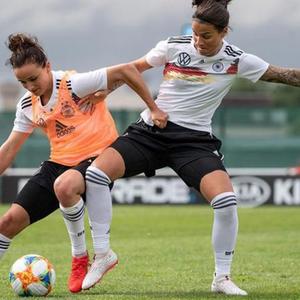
{"x":99,"y":207}
{"x":4,"y":244}
{"x":74,"y":220}
{"x":224,"y":231}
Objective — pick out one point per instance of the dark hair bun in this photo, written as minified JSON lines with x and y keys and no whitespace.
{"x":199,"y":2}
{"x":25,"y":49}
{"x":20,"y":41}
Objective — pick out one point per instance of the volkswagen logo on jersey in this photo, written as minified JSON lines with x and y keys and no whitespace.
{"x":218,"y":67}
{"x":184,"y":59}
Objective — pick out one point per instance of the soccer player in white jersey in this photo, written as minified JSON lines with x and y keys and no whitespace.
{"x":77,"y":134}
{"x":198,"y":72}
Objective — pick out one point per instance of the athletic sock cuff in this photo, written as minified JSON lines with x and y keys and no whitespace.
{"x":224,"y":200}
{"x":95,"y":175}
{"x":5,"y":239}
{"x":74,"y":208}
{"x":73,"y":213}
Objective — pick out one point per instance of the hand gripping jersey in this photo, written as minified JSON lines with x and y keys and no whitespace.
{"x":75,"y":133}
{"x":194,"y":85}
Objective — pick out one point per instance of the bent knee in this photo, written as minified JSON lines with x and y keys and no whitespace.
{"x":68,"y":188}
{"x":64,"y":188}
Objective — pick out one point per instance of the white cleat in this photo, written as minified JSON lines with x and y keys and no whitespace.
{"x":99,"y":267}
{"x":223,"y":284}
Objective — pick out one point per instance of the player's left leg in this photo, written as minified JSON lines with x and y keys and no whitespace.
{"x":217,"y":189}
{"x":68,"y":188}
{"x":209,"y":176}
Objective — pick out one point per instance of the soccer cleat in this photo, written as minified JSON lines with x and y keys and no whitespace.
{"x":99,"y":267}
{"x":223,"y":284}
{"x":78,"y":272}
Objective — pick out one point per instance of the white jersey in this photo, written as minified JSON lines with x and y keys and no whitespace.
{"x":80,"y":84}
{"x":194,"y":85}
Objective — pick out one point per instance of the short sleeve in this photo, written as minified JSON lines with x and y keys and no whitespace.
{"x":252,"y":67}
{"x":87,"y":83}
{"x":157,"y":56}
{"x":22,"y":123}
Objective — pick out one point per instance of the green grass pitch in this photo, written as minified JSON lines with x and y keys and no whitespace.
{"x":165,"y":253}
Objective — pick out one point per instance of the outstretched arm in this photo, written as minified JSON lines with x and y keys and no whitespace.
{"x":140,"y":64}
{"x":282,"y":75}
{"x":10,"y":148}
{"x":130,"y":74}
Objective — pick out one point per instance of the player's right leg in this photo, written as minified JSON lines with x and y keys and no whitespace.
{"x":107,"y":167}
{"x":11,"y":223}
{"x":131,"y":154}
{"x":28,"y":208}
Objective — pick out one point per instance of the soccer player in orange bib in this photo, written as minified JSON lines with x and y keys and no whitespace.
{"x":76,"y":133}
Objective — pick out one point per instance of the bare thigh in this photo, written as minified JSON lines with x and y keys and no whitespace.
{"x":215,"y":183}
{"x":111,"y":163}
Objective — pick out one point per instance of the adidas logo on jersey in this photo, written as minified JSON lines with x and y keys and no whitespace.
{"x":62,"y":130}
{"x":231,"y":52}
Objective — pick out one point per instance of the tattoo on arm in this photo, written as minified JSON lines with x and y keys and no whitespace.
{"x":116,"y":85}
{"x":282,"y":75}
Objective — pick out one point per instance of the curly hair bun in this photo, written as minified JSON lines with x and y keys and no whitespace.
{"x":200,"y":2}
{"x":21,"y":41}
{"x":25,"y":49}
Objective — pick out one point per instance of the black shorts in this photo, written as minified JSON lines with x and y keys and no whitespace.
{"x":190,"y":153}
{"x":37,"y":196}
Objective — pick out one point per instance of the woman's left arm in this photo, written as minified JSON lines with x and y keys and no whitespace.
{"x":287,"y":76}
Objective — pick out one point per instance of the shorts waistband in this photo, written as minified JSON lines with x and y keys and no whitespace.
{"x":170,"y":127}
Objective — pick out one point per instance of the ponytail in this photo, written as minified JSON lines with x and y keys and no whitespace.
{"x":199,"y":2}
{"x":212,"y":11}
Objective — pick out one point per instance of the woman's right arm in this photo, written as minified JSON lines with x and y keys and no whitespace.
{"x":156,"y":57}
{"x":10,"y":148}
{"x":140,"y":64}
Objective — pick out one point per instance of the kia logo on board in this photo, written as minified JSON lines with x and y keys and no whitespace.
{"x":251,"y":191}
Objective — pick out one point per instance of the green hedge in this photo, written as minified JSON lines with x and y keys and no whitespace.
{"x":252,"y":137}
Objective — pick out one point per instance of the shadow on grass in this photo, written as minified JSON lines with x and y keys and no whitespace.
{"x":156,"y":295}
{"x":192,"y":295}
{"x":201,"y":295}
